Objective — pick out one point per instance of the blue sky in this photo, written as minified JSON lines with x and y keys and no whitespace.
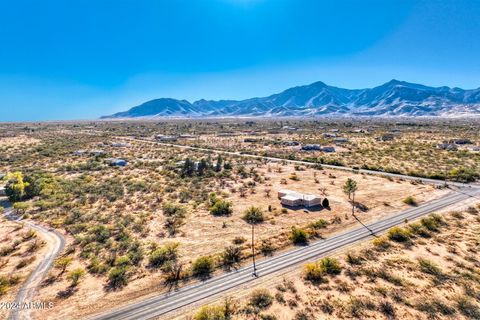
{"x":82,"y":59}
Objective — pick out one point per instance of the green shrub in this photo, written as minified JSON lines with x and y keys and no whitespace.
{"x":75,"y":275}
{"x":429,"y":267}
{"x":330,"y":265}
{"x":164,"y":254}
{"x":319,"y":224}
{"x":261,"y":299}
{"x":118,"y":277}
{"x":313,"y":272}
{"x":399,"y":234}
{"x":253,"y":215}
{"x":203,"y":267}
{"x":232,"y":255}
{"x":210,"y":313}
{"x":299,"y":236}
{"x":221,"y":208}
{"x":410,"y":201}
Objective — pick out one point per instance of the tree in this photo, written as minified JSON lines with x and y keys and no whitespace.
{"x":75,"y":276}
{"x":15,"y":188}
{"x":221,"y":208}
{"x":299,"y":236}
{"x":218,"y":165}
{"x":118,"y":277}
{"x":63,"y":263}
{"x":202,"y":166}
{"x":188,"y":168}
{"x":203,"y":267}
{"x":253,"y":215}
{"x":349,"y":188}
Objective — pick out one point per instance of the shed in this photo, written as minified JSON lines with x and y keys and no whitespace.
{"x":311,"y":200}
{"x":292,"y":200}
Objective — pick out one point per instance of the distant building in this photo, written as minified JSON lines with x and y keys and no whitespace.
{"x":291,"y":143}
{"x":475,"y":149}
{"x":250,"y":140}
{"x":311,"y":147}
{"x":164,"y":138}
{"x":2,"y":191}
{"x":447,"y":146}
{"x":328,"y":149}
{"x":79,"y":152}
{"x":460,"y":141}
{"x":386,"y":137}
{"x":98,"y":153}
{"x":120,"y":145}
{"x":295,"y":199}
{"x":329,"y":135}
{"x":340,"y":140}
{"x":116,"y":162}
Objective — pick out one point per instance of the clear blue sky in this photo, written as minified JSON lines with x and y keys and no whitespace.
{"x":82,"y":59}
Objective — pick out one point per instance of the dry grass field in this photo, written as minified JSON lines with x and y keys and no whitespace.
{"x":170,"y":215}
{"x":424,"y":270}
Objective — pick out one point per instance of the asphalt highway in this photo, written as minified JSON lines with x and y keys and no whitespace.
{"x":164,"y":304}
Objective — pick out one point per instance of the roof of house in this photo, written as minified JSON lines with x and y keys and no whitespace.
{"x":310,"y":197}
{"x":292,"y":197}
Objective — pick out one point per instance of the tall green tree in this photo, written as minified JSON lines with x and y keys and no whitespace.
{"x":349,"y":188}
{"x":15,"y":188}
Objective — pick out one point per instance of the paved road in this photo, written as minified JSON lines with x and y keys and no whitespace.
{"x":164,"y":304}
{"x":56,"y":243}
{"x":273,"y":159}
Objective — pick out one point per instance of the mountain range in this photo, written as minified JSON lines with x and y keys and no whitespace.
{"x":392,"y":99}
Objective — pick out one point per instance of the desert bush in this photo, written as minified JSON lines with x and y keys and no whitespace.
{"x":210,"y":313}
{"x":381,"y":243}
{"x":164,"y":254}
{"x":429,"y":267}
{"x":221,"y":208}
{"x":313,"y":272}
{"x":399,"y":234}
{"x":253,"y":215}
{"x":266,"y":247}
{"x":75,"y":275}
{"x":261,"y":299}
{"x":231,"y":255}
{"x":299,"y":236}
{"x":410,"y":201}
{"x":319,"y":224}
{"x":467,"y":307}
{"x":118,"y":277}
{"x":202,"y":267}
{"x":330,"y":265}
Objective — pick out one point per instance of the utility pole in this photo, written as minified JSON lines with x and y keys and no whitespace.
{"x":353,"y":203}
{"x":253,"y":250}
{"x":446,"y":173}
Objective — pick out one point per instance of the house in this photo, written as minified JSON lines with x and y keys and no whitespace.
{"x":311,"y":200}
{"x":340,"y":140}
{"x":475,"y":149}
{"x":2,"y":191}
{"x":328,"y":149}
{"x":292,"y":200}
{"x":386,"y":137}
{"x":116,"y":162}
{"x":460,"y":141}
{"x":310,"y":147}
{"x":329,"y":135}
{"x":447,"y":146}
{"x":165,"y":138}
{"x":98,"y":153}
{"x":291,"y":143}
{"x":295,"y":199}
{"x":120,"y":145}
{"x":79,"y":152}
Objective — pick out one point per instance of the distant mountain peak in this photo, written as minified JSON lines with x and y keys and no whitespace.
{"x":393,"y":98}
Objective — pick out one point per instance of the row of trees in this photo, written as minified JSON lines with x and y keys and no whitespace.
{"x":191,"y":168}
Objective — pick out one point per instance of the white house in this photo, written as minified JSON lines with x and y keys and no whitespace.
{"x":295,"y":199}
